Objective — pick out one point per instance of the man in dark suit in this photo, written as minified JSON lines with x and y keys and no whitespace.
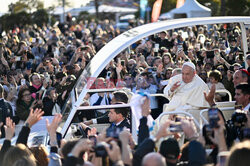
{"x":118,"y":117}
{"x":118,"y":96}
{"x":5,"y":110}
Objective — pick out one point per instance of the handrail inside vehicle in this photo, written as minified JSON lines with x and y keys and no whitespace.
{"x":179,"y":112}
{"x":224,"y":91}
{"x":223,"y":109}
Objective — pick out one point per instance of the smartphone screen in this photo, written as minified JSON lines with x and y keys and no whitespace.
{"x":222,"y":158}
{"x":18,"y":58}
{"x":213,"y":117}
{"x":122,"y":62}
{"x":23,"y":81}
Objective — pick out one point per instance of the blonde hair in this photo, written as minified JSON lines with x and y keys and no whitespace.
{"x":239,"y":154}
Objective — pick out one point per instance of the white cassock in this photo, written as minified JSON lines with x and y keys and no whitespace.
{"x":187,"y":95}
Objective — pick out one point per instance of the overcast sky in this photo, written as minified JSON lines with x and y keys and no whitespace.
{"x":75,"y":3}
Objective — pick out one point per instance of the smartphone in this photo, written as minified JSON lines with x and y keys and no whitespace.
{"x":157,"y":45}
{"x":37,"y":96}
{"x":176,"y":127}
{"x":58,"y":138}
{"x":179,"y":48}
{"x":17,"y":58}
{"x":108,"y":74}
{"x":122,"y":62}
{"x":222,"y":158}
{"x":213,"y":117}
{"x":23,"y":81}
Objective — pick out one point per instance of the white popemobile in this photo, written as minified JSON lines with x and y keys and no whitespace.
{"x":105,"y":55}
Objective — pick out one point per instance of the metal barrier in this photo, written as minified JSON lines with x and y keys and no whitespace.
{"x":224,"y":109}
{"x":158,"y":95}
{"x":224,"y":91}
{"x":180,"y":112}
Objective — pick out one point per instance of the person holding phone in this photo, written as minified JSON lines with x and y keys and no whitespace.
{"x":37,"y":85}
{"x":24,"y":103}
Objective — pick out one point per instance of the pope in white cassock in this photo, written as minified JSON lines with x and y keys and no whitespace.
{"x":186,"y":91}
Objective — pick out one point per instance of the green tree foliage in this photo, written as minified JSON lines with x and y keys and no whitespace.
{"x":25,"y":5}
{"x":21,"y":14}
{"x":9,"y":21}
{"x":237,"y":7}
{"x":40,"y":17}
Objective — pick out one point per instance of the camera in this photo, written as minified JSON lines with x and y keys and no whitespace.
{"x":100,"y":150}
{"x":246,"y":133}
{"x":239,"y":118}
{"x":236,"y":126}
{"x":108,"y":75}
{"x":213,"y":117}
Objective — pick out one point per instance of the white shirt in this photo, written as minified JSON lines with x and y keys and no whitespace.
{"x":105,"y":101}
{"x":247,"y":107}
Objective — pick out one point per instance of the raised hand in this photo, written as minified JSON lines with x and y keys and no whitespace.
{"x":115,"y":152}
{"x":51,"y":127}
{"x":9,"y":128}
{"x":34,"y":117}
{"x":82,"y":145}
{"x":163,"y":131}
{"x":175,"y":86}
{"x":210,"y":96}
{"x":145,"y":107}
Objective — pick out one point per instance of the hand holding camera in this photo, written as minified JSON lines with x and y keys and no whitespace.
{"x":82,"y":146}
{"x":114,"y":151}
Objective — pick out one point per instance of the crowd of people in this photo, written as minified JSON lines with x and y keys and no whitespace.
{"x":40,"y":66}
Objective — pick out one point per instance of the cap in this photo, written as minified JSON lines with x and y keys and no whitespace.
{"x":190,"y":64}
{"x":170,"y":148}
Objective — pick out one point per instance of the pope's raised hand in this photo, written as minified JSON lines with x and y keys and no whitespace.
{"x":175,"y":86}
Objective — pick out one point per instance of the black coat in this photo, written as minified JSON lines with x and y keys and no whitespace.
{"x":5,"y":111}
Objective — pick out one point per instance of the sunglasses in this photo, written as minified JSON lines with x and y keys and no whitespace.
{"x":125,"y":79}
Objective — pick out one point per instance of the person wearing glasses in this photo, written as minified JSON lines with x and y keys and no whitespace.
{"x":24,"y":103}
